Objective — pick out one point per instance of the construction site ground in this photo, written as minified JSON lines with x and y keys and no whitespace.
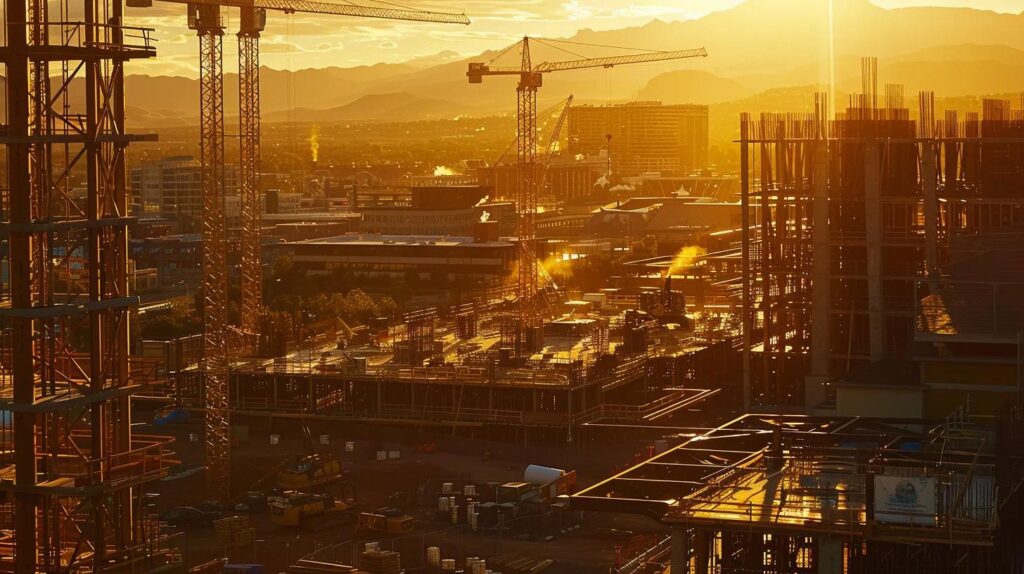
{"x":599,"y":541}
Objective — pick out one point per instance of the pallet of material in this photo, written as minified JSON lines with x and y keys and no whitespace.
{"x":381,"y":562}
{"x":314,"y":567}
{"x":234,"y":530}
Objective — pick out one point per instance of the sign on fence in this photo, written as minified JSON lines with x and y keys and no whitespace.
{"x":905,"y":499}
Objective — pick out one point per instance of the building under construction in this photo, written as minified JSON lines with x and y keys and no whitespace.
{"x":452,"y":368}
{"x":71,"y":469}
{"x":793,"y":494}
{"x":881,"y":292}
{"x":873,"y":268}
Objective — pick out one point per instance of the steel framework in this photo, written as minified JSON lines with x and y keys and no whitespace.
{"x":204,"y":17}
{"x":528,"y":319}
{"x":71,"y":469}
{"x":249,"y":166}
{"x":521,"y":335}
{"x":206,"y":20}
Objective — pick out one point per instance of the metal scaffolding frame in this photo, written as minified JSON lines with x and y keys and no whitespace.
{"x":72,"y":471}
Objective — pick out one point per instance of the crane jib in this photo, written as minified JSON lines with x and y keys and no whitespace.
{"x":317,"y":7}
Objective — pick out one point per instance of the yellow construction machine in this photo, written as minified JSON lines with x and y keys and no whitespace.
{"x":385,"y":521}
{"x":308,"y":471}
{"x":310,"y":511}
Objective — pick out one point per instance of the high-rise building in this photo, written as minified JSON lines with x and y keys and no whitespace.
{"x":170,"y":186}
{"x":644,"y":136}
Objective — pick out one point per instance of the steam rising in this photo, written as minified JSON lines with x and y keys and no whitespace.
{"x":314,"y":144}
{"x":443,"y":170}
{"x":685,"y":259}
{"x":484,"y":216}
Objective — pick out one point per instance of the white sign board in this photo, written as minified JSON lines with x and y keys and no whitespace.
{"x":905,"y":499}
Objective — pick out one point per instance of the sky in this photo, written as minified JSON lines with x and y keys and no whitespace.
{"x":299,"y":41}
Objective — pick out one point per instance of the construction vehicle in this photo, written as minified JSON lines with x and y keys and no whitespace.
{"x":307,"y":472}
{"x":310,"y":511}
{"x":386,"y":522}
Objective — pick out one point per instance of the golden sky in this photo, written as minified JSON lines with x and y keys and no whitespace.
{"x":312,"y":41}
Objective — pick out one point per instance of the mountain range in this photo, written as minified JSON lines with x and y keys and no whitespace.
{"x":756,"y":48}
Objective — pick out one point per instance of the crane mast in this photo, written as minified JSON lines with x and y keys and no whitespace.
{"x":204,"y":16}
{"x":526,"y":334}
{"x":251,"y":24}
{"x":209,"y":26}
{"x":527,"y":328}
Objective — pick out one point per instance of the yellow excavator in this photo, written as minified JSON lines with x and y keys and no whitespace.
{"x":309,"y":470}
{"x":310,"y":511}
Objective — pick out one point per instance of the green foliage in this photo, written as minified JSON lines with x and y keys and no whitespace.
{"x":170,"y":325}
{"x":335,"y":296}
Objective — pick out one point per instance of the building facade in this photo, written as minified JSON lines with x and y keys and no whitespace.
{"x":643,"y":137}
{"x":170,"y":186}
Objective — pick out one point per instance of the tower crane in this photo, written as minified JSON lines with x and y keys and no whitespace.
{"x":204,"y":16}
{"x":527,"y":329}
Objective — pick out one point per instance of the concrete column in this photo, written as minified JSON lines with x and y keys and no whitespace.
{"x":830,"y":555}
{"x":680,"y":563}
{"x":929,"y":183}
{"x":702,"y":550}
{"x":873,"y":230}
{"x":821,"y":271}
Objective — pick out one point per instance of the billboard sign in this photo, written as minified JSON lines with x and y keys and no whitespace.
{"x":905,"y":499}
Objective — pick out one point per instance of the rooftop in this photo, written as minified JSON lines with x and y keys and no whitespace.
{"x":374,"y":239}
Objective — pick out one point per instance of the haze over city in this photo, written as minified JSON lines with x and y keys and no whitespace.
{"x":512,"y":287}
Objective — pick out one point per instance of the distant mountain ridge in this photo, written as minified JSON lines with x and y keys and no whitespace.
{"x":952,"y":51}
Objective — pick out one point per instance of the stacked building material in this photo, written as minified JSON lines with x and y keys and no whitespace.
{"x":234,"y":530}
{"x":381,"y":562}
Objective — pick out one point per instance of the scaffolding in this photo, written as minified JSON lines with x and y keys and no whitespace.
{"x":799,"y":495}
{"x":71,"y":470}
{"x":845,"y":220}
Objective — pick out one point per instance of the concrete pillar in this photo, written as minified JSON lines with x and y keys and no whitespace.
{"x":873,"y":231}
{"x":702,"y":551}
{"x":830,"y":555}
{"x":929,"y":184}
{"x":680,"y":562}
{"x":821,"y":271}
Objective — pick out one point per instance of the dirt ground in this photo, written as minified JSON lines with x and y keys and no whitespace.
{"x":589,"y":543}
